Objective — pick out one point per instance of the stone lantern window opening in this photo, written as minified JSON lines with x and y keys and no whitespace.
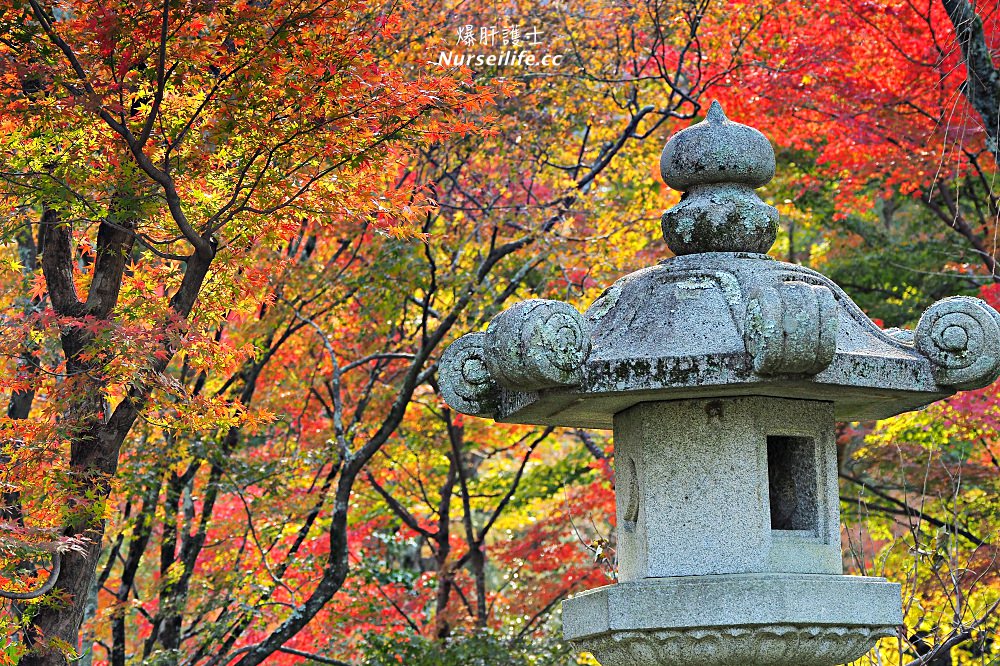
{"x":791,"y":476}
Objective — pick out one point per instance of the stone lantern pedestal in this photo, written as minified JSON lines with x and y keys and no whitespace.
{"x":722,"y":373}
{"x":729,"y":542}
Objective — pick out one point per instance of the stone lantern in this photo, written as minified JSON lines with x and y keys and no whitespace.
{"x":722,"y":373}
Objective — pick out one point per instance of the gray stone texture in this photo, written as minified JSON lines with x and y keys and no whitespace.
{"x":537,"y":344}
{"x":720,"y":218}
{"x":717,"y":150}
{"x":693,"y":491}
{"x":733,"y":620}
{"x":687,"y":602}
{"x":772,"y":644}
{"x":721,"y":324}
{"x":959,"y":335}
{"x":791,"y":327}
{"x":688,"y":327}
{"x":466,"y":382}
{"x":717,"y":164}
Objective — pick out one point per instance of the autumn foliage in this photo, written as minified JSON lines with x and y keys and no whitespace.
{"x":238,"y":235}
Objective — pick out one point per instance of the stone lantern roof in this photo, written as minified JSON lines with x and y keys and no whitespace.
{"x":721,"y":318}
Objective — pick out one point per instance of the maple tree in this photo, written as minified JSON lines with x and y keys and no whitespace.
{"x":156,"y":147}
{"x":875,"y":165}
{"x":907,"y":138}
{"x":227,"y":260}
{"x":239,"y":237}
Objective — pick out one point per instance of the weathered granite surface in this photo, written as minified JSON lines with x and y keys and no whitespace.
{"x":720,"y":324}
{"x":959,"y":335}
{"x":467,"y":384}
{"x":718,"y":163}
{"x":730,"y":620}
{"x":723,"y":319}
{"x":537,"y":344}
{"x":685,"y":602}
{"x":692,"y":488}
{"x":773,"y":644}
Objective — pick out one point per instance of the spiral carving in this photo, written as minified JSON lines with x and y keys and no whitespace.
{"x":961,"y":338}
{"x":791,"y":328}
{"x":537,"y":344}
{"x":466,"y":383}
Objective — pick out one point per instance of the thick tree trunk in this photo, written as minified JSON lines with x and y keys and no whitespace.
{"x":93,"y":462}
{"x":982,"y":83}
{"x":95,"y":436}
{"x":56,"y":628}
{"x":94,"y":443}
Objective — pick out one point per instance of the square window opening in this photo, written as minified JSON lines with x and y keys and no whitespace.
{"x":791,"y":482}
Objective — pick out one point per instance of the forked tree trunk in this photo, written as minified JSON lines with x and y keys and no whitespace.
{"x":96,"y":436}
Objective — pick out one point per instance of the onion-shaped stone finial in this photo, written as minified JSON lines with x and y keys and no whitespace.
{"x":537,"y":344}
{"x":718,"y":163}
{"x":465,"y":380}
{"x":961,"y":337}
